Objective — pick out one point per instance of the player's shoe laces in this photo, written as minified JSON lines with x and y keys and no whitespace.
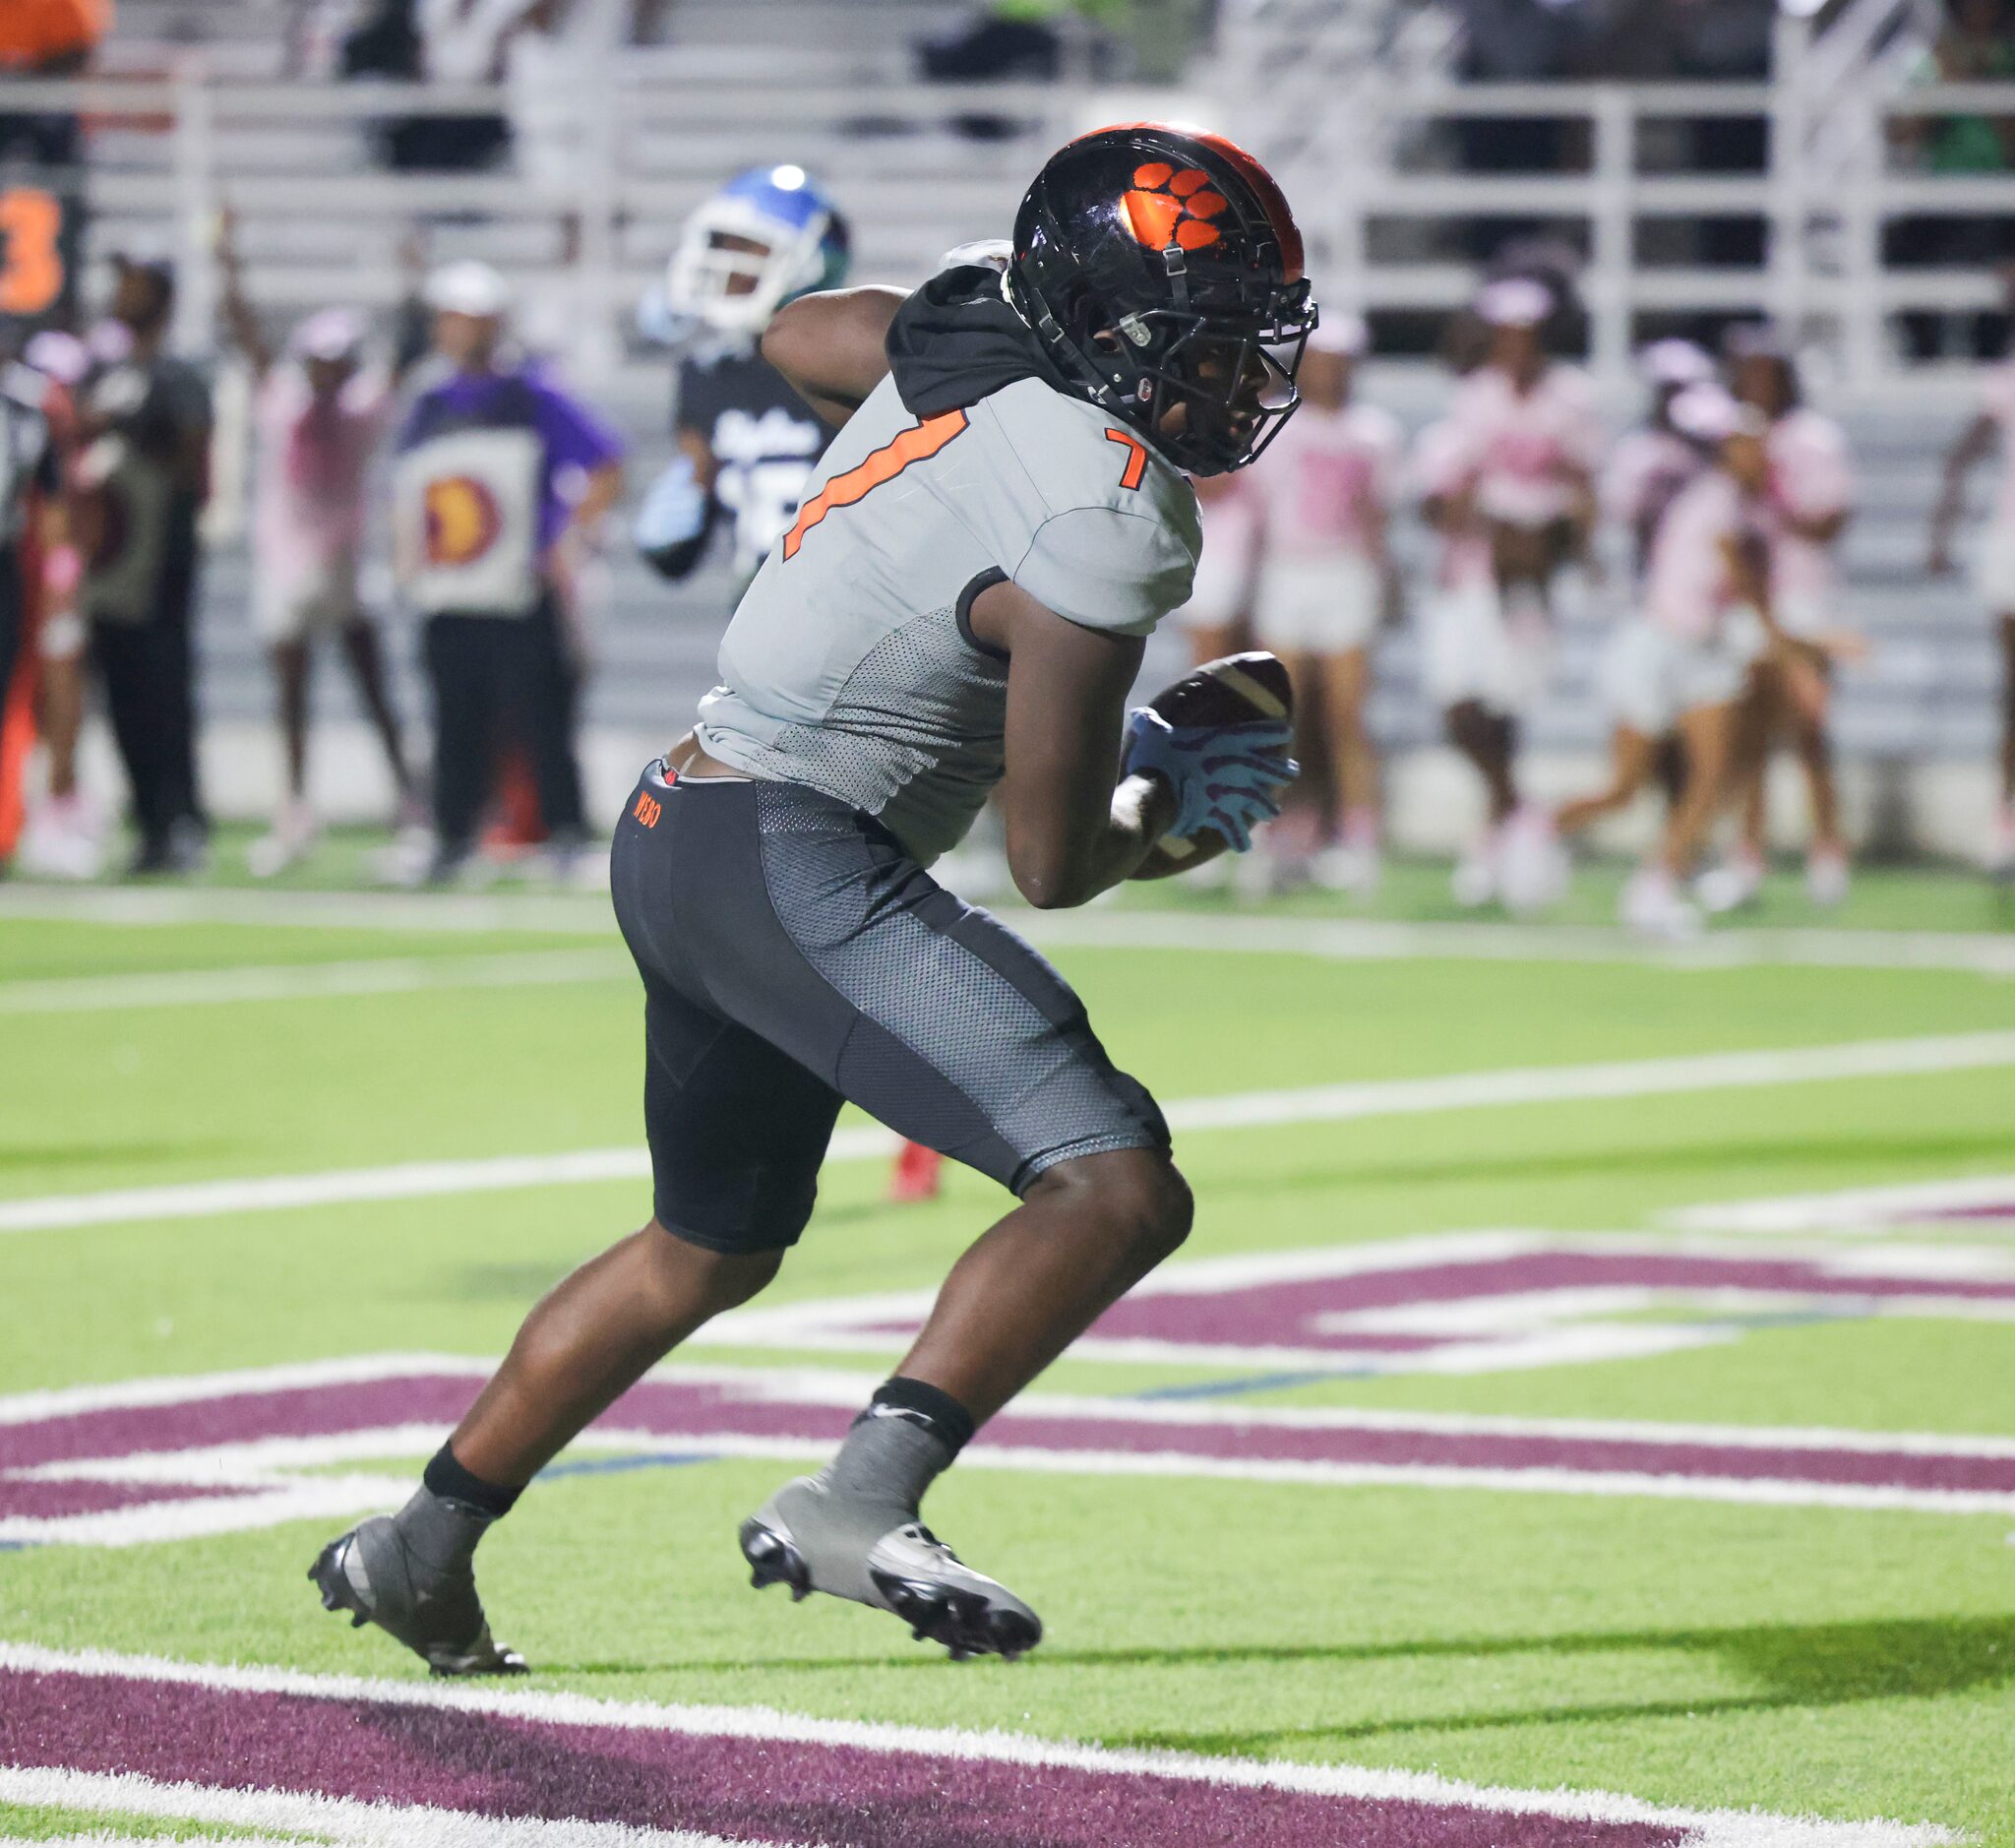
{"x":415,"y":1581}
{"x":813,"y":1539}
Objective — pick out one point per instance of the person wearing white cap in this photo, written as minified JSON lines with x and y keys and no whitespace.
{"x":496,"y":467}
{"x":1507,"y":480}
{"x":1708,"y":618}
{"x":1325,"y":582}
{"x":320,"y":412}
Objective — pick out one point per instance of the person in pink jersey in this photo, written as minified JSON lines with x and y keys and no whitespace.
{"x":1810,"y":501}
{"x":1646,"y":472}
{"x":1709,"y":616}
{"x":1507,"y":480}
{"x":1535,"y":441}
{"x":1326,"y":583}
{"x":320,"y":414}
{"x":1993,"y":570}
{"x":1217,"y":618}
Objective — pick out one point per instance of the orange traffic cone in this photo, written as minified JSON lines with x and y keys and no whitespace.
{"x":917,"y":1175}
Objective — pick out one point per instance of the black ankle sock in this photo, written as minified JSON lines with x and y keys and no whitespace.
{"x":447,"y":1478}
{"x":923,"y":1404}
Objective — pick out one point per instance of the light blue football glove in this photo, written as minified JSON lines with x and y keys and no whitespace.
{"x":1228,"y":778}
{"x":674,"y":509}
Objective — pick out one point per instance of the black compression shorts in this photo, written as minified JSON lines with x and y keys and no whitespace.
{"x":794,"y":955}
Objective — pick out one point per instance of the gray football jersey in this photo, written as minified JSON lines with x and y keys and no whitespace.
{"x":850,"y":665}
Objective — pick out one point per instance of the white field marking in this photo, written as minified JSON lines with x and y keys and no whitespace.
{"x":1360,"y":939}
{"x":467,"y":913}
{"x":313,"y":981}
{"x":1707,"y":1829}
{"x":22,"y":1408}
{"x":1339,"y":939}
{"x":1848,"y":1209}
{"x":876,"y":1323}
{"x":264,"y":1468}
{"x":841,"y":1388}
{"x":1322,"y":1103}
{"x":344,"y":1821}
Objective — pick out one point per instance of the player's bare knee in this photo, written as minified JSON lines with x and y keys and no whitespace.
{"x":1134,"y":1196}
{"x":724,"y":1280}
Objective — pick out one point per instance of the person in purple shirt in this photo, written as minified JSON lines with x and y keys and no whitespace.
{"x":496,"y":470}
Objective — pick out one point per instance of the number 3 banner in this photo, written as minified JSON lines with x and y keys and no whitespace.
{"x":42,"y":235}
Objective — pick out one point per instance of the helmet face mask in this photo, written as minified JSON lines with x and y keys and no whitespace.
{"x":767,"y":237}
{"x":1162,"y":272}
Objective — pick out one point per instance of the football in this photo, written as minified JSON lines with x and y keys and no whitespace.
{"x":1226,"y":691}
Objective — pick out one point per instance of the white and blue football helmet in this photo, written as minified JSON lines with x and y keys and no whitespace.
{"x":716,"y":281}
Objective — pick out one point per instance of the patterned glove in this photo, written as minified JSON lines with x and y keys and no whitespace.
{"x":1223,"y":777}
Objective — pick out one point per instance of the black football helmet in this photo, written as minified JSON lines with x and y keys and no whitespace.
{"x":1162,"y":271}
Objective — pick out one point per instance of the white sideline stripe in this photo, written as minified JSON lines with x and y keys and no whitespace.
{"x":1845,"y":1210}
{"x":1320,"y":1103}
{"x":1364,"y":940}
{"x":1335,"y":939}
{"x":1708,"y":1829}
{"x":312,"y":981}
{"x":342,"y":1820}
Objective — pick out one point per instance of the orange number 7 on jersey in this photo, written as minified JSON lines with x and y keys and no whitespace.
{"x":1137,"y":457}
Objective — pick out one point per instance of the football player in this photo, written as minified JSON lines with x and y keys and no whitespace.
{"x":962,"y":599}
{"x":748,"y":443}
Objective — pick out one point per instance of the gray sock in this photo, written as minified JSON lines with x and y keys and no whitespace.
{"x":440,"y":1534}
{"x":887,"y":1461}
{"x":870,"y":1489}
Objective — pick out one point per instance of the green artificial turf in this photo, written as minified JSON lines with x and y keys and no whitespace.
{"x":1840,"y":1662}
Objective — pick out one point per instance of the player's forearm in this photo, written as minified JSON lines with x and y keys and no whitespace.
{"x":1058,"y":875}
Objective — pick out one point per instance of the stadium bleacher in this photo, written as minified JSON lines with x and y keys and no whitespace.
{"x":834,"y":88}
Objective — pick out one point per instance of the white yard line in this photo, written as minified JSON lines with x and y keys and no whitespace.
{"x":313,"y":981}
{"x":1322,"y":1103}
{"x":1849,"y":1210}
{"x":1336,"y":939}
{"x":1707,"y":1829}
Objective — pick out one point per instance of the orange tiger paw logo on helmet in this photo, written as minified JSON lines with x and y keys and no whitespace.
{"x":1172,"y":206}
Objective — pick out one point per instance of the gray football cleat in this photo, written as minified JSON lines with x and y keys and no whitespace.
{"x":411,"y":1574}
{"x":813,"y":1539}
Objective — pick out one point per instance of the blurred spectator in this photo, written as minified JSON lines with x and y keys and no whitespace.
{"x":1977,"y":46}
{"x":1009,"y":39}
{"x":445,"y":42}
{"x":62,"y":838}
{"x":48,"y":38}
{"x":556,"y":64}
{"x":497,"y":468}
{"x":144,"y":426}
{"x":30,"y":528}
{"x":321,"y":411}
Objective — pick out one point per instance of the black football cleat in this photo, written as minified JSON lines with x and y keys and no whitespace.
{"x":430,"y":1605}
